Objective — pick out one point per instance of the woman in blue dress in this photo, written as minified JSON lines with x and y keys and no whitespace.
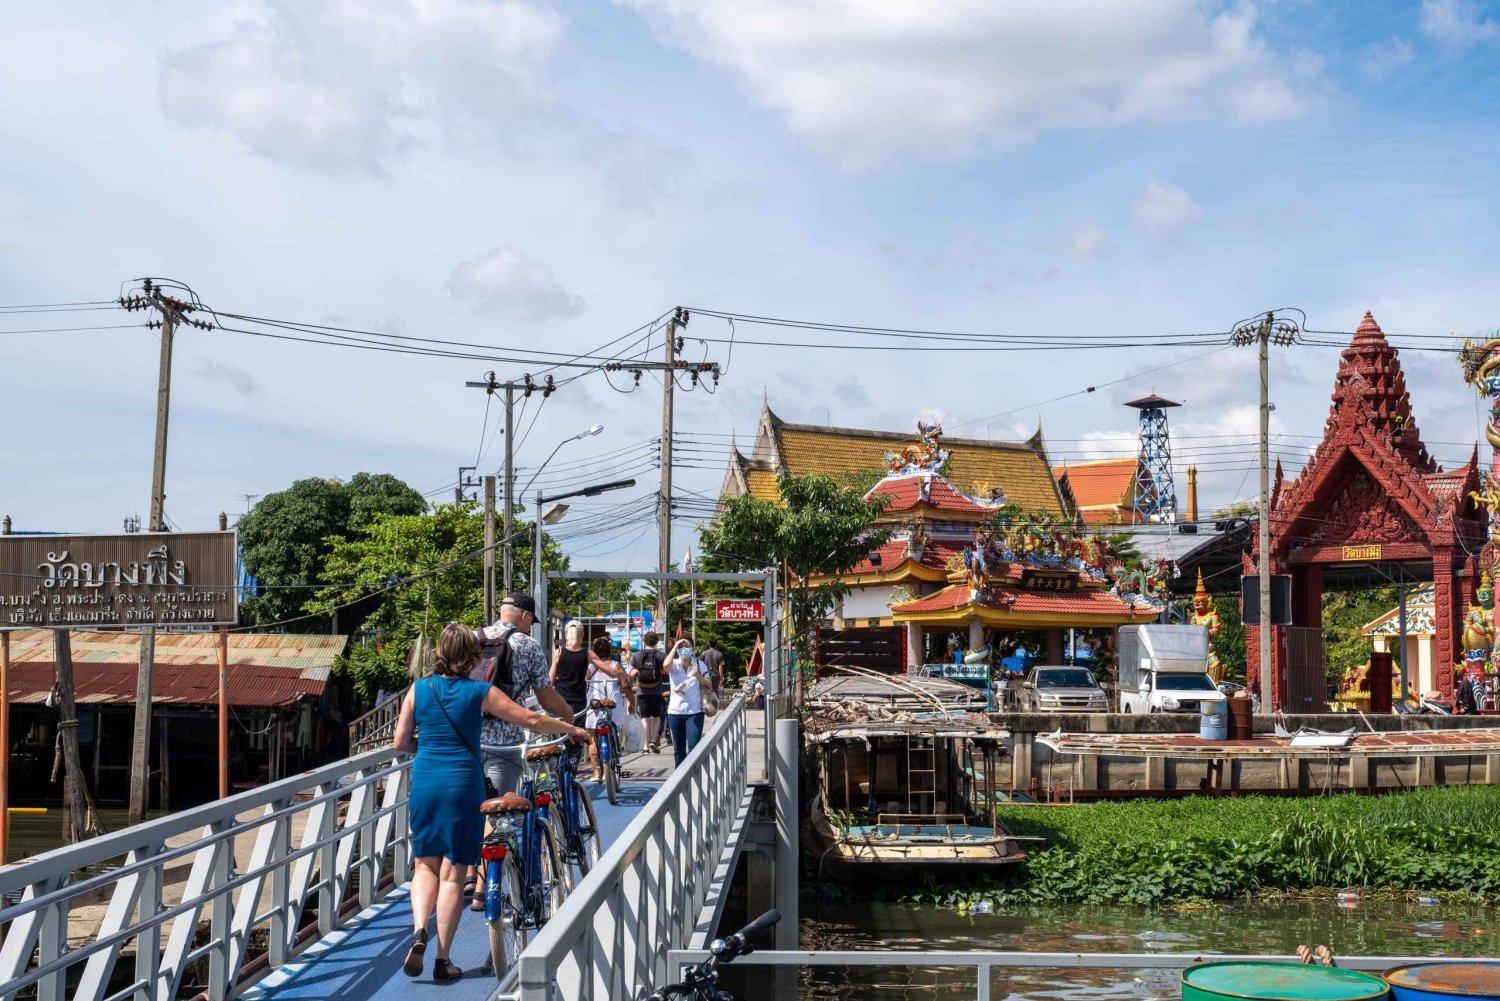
{"x":447,"y":785}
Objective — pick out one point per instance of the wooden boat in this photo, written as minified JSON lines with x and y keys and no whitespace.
{"x":905,"y":777}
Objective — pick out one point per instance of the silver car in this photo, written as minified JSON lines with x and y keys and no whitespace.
{"x":1058,"y":689}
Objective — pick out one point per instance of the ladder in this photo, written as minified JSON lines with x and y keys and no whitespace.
{"x":921,"y":773}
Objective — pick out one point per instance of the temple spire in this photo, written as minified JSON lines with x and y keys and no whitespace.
{"x":1371,"y":382}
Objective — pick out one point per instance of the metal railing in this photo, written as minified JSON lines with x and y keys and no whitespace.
{"x":984,"y":964}
{"x":377,"y":727}
{"x":611,"y":938}
{"x":353,"y":815}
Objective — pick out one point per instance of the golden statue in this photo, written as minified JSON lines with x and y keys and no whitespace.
{"x":1205,"y":615}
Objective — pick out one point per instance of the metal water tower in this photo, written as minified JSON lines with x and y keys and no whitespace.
{"x":1155,"y":496}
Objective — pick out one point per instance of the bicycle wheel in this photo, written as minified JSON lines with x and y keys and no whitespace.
{"x":559,"y":824}
{"x":585,"y":830}
{"x":508,"y":927}
{"x":551,"y":893}
{"x":612,"y":780}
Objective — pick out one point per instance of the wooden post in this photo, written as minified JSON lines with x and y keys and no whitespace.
{"x":223,"y":713}
{"x":67,"y":732}
{"x":164,"y":794}
{"x":140,"y":744}
{"x":4,"y":745}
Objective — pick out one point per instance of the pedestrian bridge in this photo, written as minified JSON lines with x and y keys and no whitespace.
{"x":298,"y":890}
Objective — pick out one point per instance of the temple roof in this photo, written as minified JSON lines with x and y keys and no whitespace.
{"x":1020,"y":469}
{"x":1018,"y":608}
{"x":1370,"y":480}
{"x":1104,"y":489}
{"x":913,"y":490}
{"x":894,"y":555}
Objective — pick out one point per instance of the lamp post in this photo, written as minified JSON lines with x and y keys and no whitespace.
{"x":509,"y":535}
{"x":552,"y":517}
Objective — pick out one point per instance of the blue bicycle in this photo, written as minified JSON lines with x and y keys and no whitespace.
{"x":607,"y":740}
{"x":525,"y":880}
{"x":575,"y":828}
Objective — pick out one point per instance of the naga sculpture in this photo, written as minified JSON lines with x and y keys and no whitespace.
{"x":922,"y":455}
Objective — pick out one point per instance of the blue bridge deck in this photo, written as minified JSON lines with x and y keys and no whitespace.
{"x":362,"y":960}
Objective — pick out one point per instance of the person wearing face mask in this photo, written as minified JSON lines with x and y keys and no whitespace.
{"x":687,"y":677}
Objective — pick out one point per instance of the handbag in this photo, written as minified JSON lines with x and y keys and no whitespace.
{"x":490,"y":791}
{"x":710,"y":702}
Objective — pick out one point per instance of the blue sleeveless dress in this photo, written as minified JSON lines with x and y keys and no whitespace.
{"x":447,"y":783}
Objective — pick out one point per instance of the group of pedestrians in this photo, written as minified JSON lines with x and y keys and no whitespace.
{"x":472,"y":715}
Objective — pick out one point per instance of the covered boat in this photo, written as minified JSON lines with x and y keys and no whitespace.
{"x":905,"y":767}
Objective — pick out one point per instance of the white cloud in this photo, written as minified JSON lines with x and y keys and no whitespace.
{"x":241,"y":380}
{"x":506,"y":282}
{"x":872,"y":78}
{"x":1162,"y":207}
{"x":1456,"y":23}
{"x":1086,"y":241}
{"x":1384,"y":58}
{"x":343,"y":85}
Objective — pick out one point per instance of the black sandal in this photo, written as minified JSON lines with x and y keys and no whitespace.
{"x":444,"y":971}
{"x":413,"y":965}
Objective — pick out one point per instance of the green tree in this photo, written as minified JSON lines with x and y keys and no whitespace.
{"x":1344,"y":614}
{"x":1230,"y":643}
{"x":820,"y":527}
{"x":441,"y":547}
{"x":286,"y":537}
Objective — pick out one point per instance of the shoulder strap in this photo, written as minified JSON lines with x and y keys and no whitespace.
{"x":463,"y":739}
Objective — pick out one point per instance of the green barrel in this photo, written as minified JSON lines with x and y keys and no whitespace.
{"x":1278,"y":982}
{"x":1444,"y":979}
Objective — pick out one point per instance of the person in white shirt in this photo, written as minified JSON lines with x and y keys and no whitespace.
{"x":687,"y":677}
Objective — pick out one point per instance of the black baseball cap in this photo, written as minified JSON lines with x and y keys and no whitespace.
{"x":524,"y":602}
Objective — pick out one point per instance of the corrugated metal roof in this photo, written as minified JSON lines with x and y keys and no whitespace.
{"x":264,"y":670}
{"x":1403,"y":743}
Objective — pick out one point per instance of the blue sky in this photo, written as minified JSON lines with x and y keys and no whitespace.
{"x":549,"y":177}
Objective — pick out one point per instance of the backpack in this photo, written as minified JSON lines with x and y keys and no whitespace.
{"x":649,"y":669}
{"x":494,"y":662}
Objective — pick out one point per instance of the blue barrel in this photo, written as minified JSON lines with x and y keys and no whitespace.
{"x":1444,"y":980}
{"x":1214,"y":723}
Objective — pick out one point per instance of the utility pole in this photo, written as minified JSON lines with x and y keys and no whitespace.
{"x":171,"y":311}
{"x":489,"y":550}
{"x":664,"y":499}
{"x":75,"y":792}
{"x":669,"y":367}
{"x":509,"y":568}
{"x":507,"y":536}
{"x":1263,"y":333}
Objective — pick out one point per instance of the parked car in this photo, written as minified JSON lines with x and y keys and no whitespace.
{"x":1053,"y":688}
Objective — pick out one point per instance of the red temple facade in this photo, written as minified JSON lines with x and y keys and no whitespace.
{"x":1370,"y":497}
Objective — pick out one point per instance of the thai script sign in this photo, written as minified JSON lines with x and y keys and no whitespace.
{"x":1360,"y":553}
{"x":739,"y":611}
{"x":1042,"y":580}
{"x":141,"y":579}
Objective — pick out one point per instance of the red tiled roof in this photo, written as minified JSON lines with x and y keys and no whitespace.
{"x":935,"y":555}
{"x":1107,"y":482}
{"x":905,"y":493}
{"x":264,"y":670}
{"x":1081,"y":603}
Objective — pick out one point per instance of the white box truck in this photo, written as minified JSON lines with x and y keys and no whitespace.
{"x":1164,"y":669}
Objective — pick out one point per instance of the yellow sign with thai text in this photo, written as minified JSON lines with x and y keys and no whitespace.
{"x":1361,"y":553}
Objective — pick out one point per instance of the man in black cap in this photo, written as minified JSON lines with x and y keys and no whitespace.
{"x":512,"y":661}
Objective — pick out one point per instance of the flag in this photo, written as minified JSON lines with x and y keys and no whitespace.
{"x":687,"y":562}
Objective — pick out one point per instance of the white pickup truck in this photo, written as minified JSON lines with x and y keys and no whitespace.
{"x":1164,"y":669}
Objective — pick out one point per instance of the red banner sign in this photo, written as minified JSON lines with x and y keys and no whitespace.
{"x":739,"y":611}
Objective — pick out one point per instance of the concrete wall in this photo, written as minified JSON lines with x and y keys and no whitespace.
{"x":1034,"y":765}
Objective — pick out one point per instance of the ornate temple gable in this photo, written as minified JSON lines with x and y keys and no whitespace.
{"x":1362,"y":512}
{"x":1370,"y":427}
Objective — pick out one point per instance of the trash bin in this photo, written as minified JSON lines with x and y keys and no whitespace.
{"x":1278,"y":982}
{"x":1214,"y":723}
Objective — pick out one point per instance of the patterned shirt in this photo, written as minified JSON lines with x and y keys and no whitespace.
{"x":528,"y":672}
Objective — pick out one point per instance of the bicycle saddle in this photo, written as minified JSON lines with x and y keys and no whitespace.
{"x":539,"y":753}
{"x":602,"y":704}
{"x":509,"y":803}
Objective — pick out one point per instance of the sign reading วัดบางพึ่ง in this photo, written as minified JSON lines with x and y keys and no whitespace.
{"x":142,"y":579}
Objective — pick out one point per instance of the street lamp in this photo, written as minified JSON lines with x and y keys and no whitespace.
{"x":510,"y":536}
{"x":552,"y":516}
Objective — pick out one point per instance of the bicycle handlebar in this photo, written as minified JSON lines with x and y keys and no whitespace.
{"x":700,"y":980}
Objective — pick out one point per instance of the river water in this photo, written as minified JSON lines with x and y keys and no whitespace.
{"x":1385,"y":928}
